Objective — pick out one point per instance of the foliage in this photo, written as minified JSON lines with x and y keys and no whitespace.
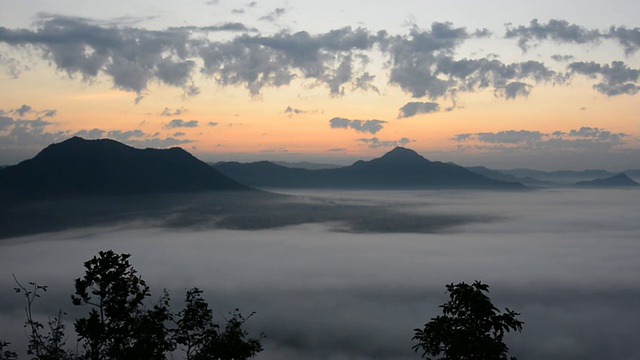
{"x":6,"y":354}
{"x":47,"y":346}
{"x":470,"y":327}
{"x":120,"y":326}
{"x":200,"y":336}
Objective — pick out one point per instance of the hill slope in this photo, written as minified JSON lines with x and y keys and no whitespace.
{"x":78,"y":167}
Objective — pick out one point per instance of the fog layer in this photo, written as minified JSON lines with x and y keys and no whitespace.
{"x":567,"y":260}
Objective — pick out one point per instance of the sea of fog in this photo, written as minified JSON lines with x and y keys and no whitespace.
{"x":568,"y":260}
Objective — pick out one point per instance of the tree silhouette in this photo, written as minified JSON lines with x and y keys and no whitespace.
{"x":470,"y":327}
{"x":119,"y":325}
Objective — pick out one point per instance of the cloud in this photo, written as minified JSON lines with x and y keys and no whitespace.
{"x":585,"y":139}
{"x":23,"y":110}
{"x":337,"y":150}
{"x":212,"y":123}
{"x":414,"y":108}
{"x":90,"y":134}
{"x":179,"y":123}
{"x":132,"y":57}
{"x":514,"y":89}
{"x":628,"y":38}
{"x":179,"y":134}
{"x":617,"y":78}
{"x":258,"y":61}
{"x":564,"y":32}
{"x":168,"y":112}
{"x":363,"y":126}
{"x":558,"y":30}
{"x":273,"y":15}
{"x":375,"y":143}
{"x":290,"y":110}
{"x":124,"y":136}
{"x":423,"y":63}
{"x":562,"y":58}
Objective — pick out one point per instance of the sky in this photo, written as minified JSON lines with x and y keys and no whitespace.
{"x":546,"y":85}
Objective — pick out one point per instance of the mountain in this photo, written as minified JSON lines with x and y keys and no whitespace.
{"x":562,"y":176}
{"x":78,"y":167}
{"x":307,"y":165}
{"x":498,"y":175}
{"x":620,"y":180}
{"x":400,"y":168}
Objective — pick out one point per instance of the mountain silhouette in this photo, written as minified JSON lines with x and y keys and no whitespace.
{"x":620,"y":180}
{"x":400,"y":168}
{"x":499,"y":175}
{"x":78,"y":167}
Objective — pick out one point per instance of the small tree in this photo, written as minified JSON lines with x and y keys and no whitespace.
{"x":43,"y":346}
{"x":118,"y":325}
{"x":470,"y":327}
{"x":201,"y":337}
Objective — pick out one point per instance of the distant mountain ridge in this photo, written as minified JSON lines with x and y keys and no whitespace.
{"x":617,"y":181}
{"x":78,"y":167}
{"x":400,"y":168}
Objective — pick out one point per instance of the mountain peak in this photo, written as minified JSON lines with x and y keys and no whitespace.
{"x":79,"y":167}
{"x":401,"y":154}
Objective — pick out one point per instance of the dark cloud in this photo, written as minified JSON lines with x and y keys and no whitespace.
{"x":563,"y":31}
{"x":130,"y":56}
{"x":178,"y":134}
{"x":617,"y":78}
{"x":562,"y":58}
{"x":179,"y":123}
{"x":168,"y":112}
{"x":375,"y":143}
{"x":23,"y":110}
{"x":558,"y":30}
{"x":628,"y":38}
{"x":363,"y":126}
{"x":290,"y":110}
{"x":337,"y":150}
{"x":230,"y":27}
{"x":415,"y":108}
{"x":212,"y":123}
{"x":422,"y":63}
{"x":257,"y":61}
{"x":274,"y":15}
{"x":516,"y":88}
{"x":48,"y":113}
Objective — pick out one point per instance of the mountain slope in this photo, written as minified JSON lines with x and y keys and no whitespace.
{"x":105,"y":167}
{"x":499,"y":175}
{"x":620,"y":180}
{"x":400,"y":168}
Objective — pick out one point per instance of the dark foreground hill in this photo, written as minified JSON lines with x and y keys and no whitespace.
{"x":400,"y":168}
{"x":621,"y":180}
{"x":79,"y":167}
